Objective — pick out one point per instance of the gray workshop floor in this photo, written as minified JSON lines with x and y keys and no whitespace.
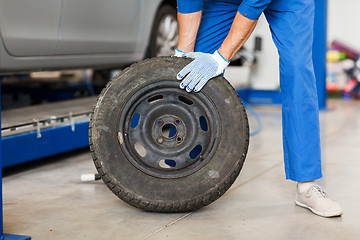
{"x":49,"y":201}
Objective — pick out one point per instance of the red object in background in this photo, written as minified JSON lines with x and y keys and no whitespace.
{"x":349,"y":51}
{"x":332,"y":87}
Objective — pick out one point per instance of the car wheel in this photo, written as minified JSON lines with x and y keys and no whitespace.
{"x":160,"y":148}
{"x":165,"y":33}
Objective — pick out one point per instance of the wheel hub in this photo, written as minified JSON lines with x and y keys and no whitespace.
{"x":169,"y":130}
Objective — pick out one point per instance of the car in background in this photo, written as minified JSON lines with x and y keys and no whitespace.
{"x":61,"y":34}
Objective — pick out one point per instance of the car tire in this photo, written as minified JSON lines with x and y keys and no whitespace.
{"x":164,"y":35}
{"x":150,"y":89}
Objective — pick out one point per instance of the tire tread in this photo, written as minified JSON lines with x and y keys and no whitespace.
{"x":127,"y":196}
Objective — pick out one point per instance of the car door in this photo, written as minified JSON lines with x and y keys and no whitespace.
{"x":29,"y":28}
{"x":93,"y":26}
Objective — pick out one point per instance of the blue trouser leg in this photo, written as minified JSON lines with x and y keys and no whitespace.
{"x":292,"y":32}
{"x":291,"y":24}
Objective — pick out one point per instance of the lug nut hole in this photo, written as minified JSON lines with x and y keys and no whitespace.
{"x":159,"y":122}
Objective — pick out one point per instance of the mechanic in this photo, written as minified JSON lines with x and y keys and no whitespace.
{"x":212,"y":31}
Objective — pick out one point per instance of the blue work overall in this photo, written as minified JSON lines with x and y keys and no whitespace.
{"x":291,"y":24}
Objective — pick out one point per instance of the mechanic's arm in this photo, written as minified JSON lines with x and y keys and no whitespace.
{"x":243,"y":25}
{"x":240,"y":31}
{"x":188,"y":27}
{"x":206,"y":66}
{"x":189,"y":18}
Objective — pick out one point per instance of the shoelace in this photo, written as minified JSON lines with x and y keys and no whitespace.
{"x":319,"y":191}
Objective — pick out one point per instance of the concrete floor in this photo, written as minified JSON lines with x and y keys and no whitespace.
{"x":48,"y":201}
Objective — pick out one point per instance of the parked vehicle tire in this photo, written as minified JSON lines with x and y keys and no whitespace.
{"x":162,"y":149}
{"x":165,"y":33}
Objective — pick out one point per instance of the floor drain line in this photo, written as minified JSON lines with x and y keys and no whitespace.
{"x":166,"y":226}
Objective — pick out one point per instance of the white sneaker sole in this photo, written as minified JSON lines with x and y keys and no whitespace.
{"x":322,"y":214}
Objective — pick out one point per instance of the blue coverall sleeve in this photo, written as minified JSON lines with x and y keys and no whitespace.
{"x":252,"y":9}
{"x":189,"y":6}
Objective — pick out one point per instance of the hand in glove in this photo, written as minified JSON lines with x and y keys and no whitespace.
{"x":204,"y":67}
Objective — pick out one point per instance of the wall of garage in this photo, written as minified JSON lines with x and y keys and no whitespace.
{"x":343,"y":21}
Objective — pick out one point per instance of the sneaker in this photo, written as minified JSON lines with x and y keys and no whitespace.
{"x":318,"y":201}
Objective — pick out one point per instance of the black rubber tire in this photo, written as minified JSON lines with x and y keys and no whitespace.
{"x":162,"y":12}
{"x":151,"y":193}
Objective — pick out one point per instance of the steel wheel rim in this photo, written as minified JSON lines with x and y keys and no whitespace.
{"x":177,"y":154}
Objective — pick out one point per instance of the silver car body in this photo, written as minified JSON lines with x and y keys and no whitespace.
{"x":59,"y":34}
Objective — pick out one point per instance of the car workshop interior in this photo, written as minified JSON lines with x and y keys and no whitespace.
{"x":99,"y":142}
